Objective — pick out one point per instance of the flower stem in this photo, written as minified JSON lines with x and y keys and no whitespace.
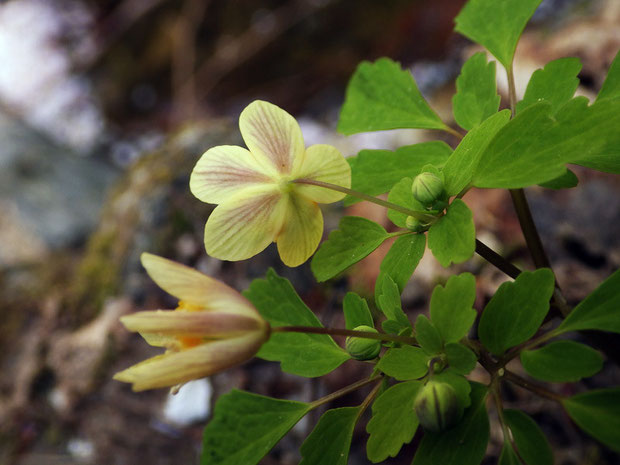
{"x":345,"y":332}
{"x":497,"y":260}
{"x":425,"y":217}
{"x":531,"y":386}
{"x":512,"y":90}
{"x":532,"y":239}
{"x":515,"y":351}
{"x":344,"y":390}
{"x":368,"y":400}
{"x":454,"y":132}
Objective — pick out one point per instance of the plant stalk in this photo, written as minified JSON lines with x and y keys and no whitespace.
{"x":425,"y":217}
{"x":344,"y":390}
{"x":531,"y":386}
{"x":345,"y":332}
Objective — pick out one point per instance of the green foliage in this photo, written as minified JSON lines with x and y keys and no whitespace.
{"x":599,"y":310}
{"x":611,"y":86}
{"x":246,"y":426}
{"x":330,"y":439}
{"x":453,"y":237}
{"x":354,"y":239}
{"x":476,"y":92}
{"x":460,"y":358}
{"x":390,"y":304}
{"x":451,"y":307}
{"x":301,"y":354}
{"x":516,"y":311}
{"x":587,"y":134}
{"x":356,"y":311}
{"x":598,"y":414}
{"x":529,"y":438}
{"x":427,"y":335}
{"x":393,"y":421}
{"x":519,"y":156}
{"x":381,"y":95}
{"x":562,"y":361}
{"x":461,"y":166}
{"x":401,"y":261}
{"x":404,"y":363}
{"x":496,"y":25}
{"x":564,"y":181}
{"x":556,"y":84}
{"x":508,"y":456}
{"x":465,"y":444}
{"x":401,"y":195}
{"x":374,"y":172}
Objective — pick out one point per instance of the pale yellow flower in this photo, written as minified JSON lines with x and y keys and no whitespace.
{"x":213,"y":328}
{"x":257,"y":201}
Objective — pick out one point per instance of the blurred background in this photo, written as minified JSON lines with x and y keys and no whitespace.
{"x":105,"y":106}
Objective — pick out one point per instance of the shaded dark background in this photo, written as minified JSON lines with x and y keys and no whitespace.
{"x":105,"y":106}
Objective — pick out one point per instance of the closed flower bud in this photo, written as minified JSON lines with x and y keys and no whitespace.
{"x":361,"y":348}
{"x":437,"y":406}
{"x":415,"y":225}
{"x":427,"y":188}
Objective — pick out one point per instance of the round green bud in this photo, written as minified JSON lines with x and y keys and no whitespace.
{"x":361,"y":348}
{"x":415,"y":225}
{"x":427,"y":188}
{"x":437,"y":406}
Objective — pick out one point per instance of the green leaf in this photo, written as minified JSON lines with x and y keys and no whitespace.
{"x":460,"y":358}
{"x":460,"y":167}
{"x":461,"y":386}
{"x":508,"y":456}
{"x":451,"y":307}
{"x":611,"y":86}
{"x":529,"y":438}
{"x":513,"y":158}
{"x":246,"y":426}
{"x":476,"y":92}
{"x":401,"y":195}
{"x":588,"y":135}
{"x":330,"y":440}
{"x":427,"y":335}
{"x":356,"y":311}
{"x":562,"y":361}
{"x":393,"y":421}
{"x":404,"y":363}
{"x":600,"y":310}
{"x":453,"y":237}
{"x":497,"y":25}
{"x":565,"y":181}
{"x":354,"y":239}
{"x":401,"y":261}
{"x":465,"y":443}
{"x":301,"y":354}
{"x":374,"y":172}
{"x":390,"y":304}
{"x":516,"y":311}
{"x":555,"y":83}
{"x":598,"y":414}
{"x":381,"y":95}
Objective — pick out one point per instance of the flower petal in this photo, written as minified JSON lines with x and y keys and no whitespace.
{"x":323,"y":163}
{"x":224,"y":170}
{"x":189,"y":285}
{"x":203,"y":360}
{"x":245,"y":224}
{"x":208,"y":325}
{"x":302,"y":231}
{"x":271,"y":132}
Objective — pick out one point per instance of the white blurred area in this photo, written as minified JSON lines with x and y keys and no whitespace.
{"x":37,"y":84}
